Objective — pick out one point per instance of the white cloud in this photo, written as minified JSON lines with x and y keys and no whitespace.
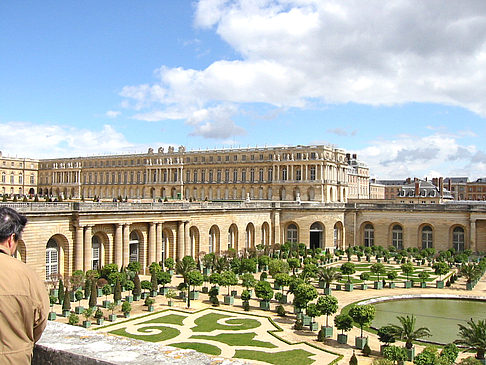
{"x":297,"y":52}
{"x":414,"y":156}
{"x":113,"y":113}
{"x":25,"y":139}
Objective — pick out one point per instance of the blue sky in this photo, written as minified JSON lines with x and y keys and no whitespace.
{"x":402,"y":84}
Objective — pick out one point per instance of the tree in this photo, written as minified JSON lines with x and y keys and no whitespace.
{"x":126,"y":308}
{"x":248,"y":265}
{"x":395,"y":354}
{"x":276,"y":266}
{"x":353,"y":360}
{"x":137,"y":290}
{"x":407,"y":269}
{"x":134,"y":266}
{"x":248,"y":280}
{"x":79,"y":296}
{"x":106,"y":290}
{"x":423,"y":275}
{"x":117,"y":291}
{"x":362,"y":315}
{"x":294,"y":263}
{"x":440,"y":268}
{"x":208,"y":260}
{"x":146,"y":285}
{"x":327,"y":305}
{"x":163,"y":278}
{"x":185,"y":266}
{"x":93,"y":297}
{"x":60,"y":295}
{"x":309,"y":271}
{"x":392,"y":275}
{"x":228,"y":278}
{"x":471,"y":272}
{"x":407,"y":332}
{"x":313,"y":311}
{"x":343,"y":322}
{"x":282,"y":280}
{"x":328,"y":275}
{"x":378,"y":269}
{"x":169,"y":263}
{"x":348,"y":269}
{"x":66,"y":304}
{"x":154,"y":281}
{"x":473,"y":337}
{"x":263,"y":290}
{"x":303,"y":294}
{"x":386,"y":334}
{"x":194,"y":278}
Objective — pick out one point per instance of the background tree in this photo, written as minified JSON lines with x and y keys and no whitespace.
{"x":363,"y":315}
{"x":378,"y":269}
{"x":303,"y":294}
{"x":248,"y":280}
{"x":137,"y":290}
{"x":391,"y":275}
{"x":228,"y":278}
{"x":263,"y":290}
{"x":407,"y":332}
{"x":106,"y":290}
{"x":276,"y":266}
{"x":312,"y":311}
{"x":294,"y":264}
{"x":164,"y":278}
{"x":348,"y":269}
{"x":407,"y":269}
{"x":146,"y":285}
{"x":343,"y":322}
{"x":440,"y":268}
{"x":327,"y":305}
{"x":328,"y":275}
{"x":194,"y":278}
{"x":473,"y":337}
{"x":282,"y":280}
{"x":169,"y":263}
{"x":134,"y":266}
{"x":395,"y":354}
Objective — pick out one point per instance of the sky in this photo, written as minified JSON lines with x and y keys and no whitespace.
{"x":400,"y":83}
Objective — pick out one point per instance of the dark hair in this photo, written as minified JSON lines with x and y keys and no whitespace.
{"x":11,"y":222}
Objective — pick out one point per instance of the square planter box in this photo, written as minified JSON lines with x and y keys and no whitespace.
{"x":348,"y":286}
{"x":129,"y":299}
{"x":182,"y":295}
{"x":99,"y":292}
{"x":112,"y":317}
{"x":408,"y":284}
{"x":117,"y":302}
{"x":342,"y":338}
{"x":126,"y":315}
{"x":360,"y":342}
{"x":163,"y":290}
{"x":338,"y":286}
{"x":217,"y":287}
{"x":229,"y":300}
{"x":171,"y":272}
{"x":79,"y":310}
{"x":170,"y":303}
{"x":322,"y":284}
{"x":327,"y":291}
{"x":151,"y":308}
{"x":86,"y":324}
{"x":66,"y":313}
{"x":364,"y":286}
{"x":410,"y":353}
{"x":439,"y":284}
{"x":144,"y":295}
{"x":423,"y":284}
{"x":313,"y":326}
{"x":297,"y":310}
{"x":391,"y":285}
{"x":306,"y":320}
{"x":328,"y":331}
{"x":100,"y":321}
{"x":234,"y":293}
{"x":153,"y":293}
{"x":51,"y":316}
{"x":378,"y":285}
{"x":283,"y":300}
{"x":54,"y":292}
{"x":136,"y":298}
{"x":206,"y":271}
{"x":469,"y":286}
{"x":264,"y":305}
{"x":193,"y":295}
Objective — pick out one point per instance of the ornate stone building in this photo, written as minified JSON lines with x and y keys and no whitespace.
{"x":18,"y":176}
{"x":307,"y":173}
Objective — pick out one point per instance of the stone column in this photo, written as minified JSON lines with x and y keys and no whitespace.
{"x":79,"y":248}
{"x":151,"y":243}
{"x":472,"y":236}
{"x":126,"y":245}
{"x":276,"y":226}
{"x":117,"y":246}
{"x":180,"y":240}
{"x":88,"y":252}
{"x":187,"y":241}
{"x":158,"y":242}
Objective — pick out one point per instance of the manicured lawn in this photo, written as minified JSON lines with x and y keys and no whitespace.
{"x":237,"y":339}
{"x":291,"y":357}
{"x":169,"y":319}
{"x":166,"y":333}
{"x":200,"y":347}
{"x":208,"y":323}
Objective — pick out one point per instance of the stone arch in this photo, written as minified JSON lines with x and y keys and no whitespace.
{"x":282,"y":193}
{"x":106,"y":254}
{"x":21,"y":253}
{"x":214,"y":239}
{"x":168,"y":244}
{"x":250,"y":236}
{"x":458,"y":237}
{"x":233,"y":236}
{"x":291,"y":230}
{"x":265,"y":234}
{"x":296,"y":193}
{"x":395,"y":234}
{"x":136,"y":247}
{"x":317,"y":235}
{"x":311,"y":193}
{"x":367,"y":234}
{"x":338,"y":236}
{"x":194,"y":241}
{"x":59,"y":242}
{"x":425,"y":236}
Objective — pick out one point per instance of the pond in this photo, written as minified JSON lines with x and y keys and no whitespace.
{"x":440,"y":316}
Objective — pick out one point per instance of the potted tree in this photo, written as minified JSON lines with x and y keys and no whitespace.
{"x":73,"y":319}
{"x":127,"y":308}
{"x":79,"y":296}
{"x":163,"y":278}
{"x":386,"y":334}
{"x":154,"y":283}
{"x":245,"y":297}
{"x":326,"y":276}
{"x":378,"y":269}
{"x":423,"y":275}
{"x":282,"y":280}
{"x":327,"y":305}
{"x":129,"y":286}
{"x":264,"y":291}
{"x":137,"y":290}
{"x":344,"y":323}
{"x":170,"y":295}
{"x":146,"y":285}
{"x":348,"y":269}
{"x":106,"y":291}
{"x":364,"y":276}
{"x":194,"y":278}
{"x":473,"y":338}
{"x":52,"y":315}
{"x":391,"y":275}
{"x":407,"y":269}
{"x":363,"y":315}
{"x":112,"y":306}
{"x":396,"y":354}
{"x":117,"y":292}
{"x":66,"y":303}
{"x":228,"y":278}
{"x":313,"y":311}
{"x":99,"y":316}
{"x":88,"y":312}
{"x":406,"y":332}
{"x":248,"y":281}
{"x":169,"y":264}
{"x":440,"y":268}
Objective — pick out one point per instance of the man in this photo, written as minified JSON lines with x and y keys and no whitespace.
{"x":24,"y":303}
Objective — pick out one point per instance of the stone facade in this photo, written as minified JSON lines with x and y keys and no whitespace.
{"x":63,"y":237}
{"x":307,"y":173}
{"x":18,"y":176}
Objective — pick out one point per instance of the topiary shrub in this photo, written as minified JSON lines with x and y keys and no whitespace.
{"x":73,"y":319}
{"x":281,"y":310}
{"x":353,"y":360}
{"x":366,"y":350}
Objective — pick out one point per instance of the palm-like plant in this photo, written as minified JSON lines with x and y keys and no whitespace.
{"x":328,"y":275}
{"x":185,"y":266}
{"x":473,"y":337}
{"x":407,"y":332}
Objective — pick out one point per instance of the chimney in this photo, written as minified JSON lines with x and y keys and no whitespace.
{"x":434,"y":181}
{"x":417,"y":188}
{"x":441,"y":186}
{"x":408,"y":180}
{"x":348,"y":156}
{"x":355,"y":156}
{"x":449,"y":185}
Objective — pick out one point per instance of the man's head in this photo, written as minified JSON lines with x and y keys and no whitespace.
{"x":11,"y":227}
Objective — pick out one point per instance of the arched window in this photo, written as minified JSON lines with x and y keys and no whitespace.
{"x":250,"y":236}
{"x":338,"y":235}
{"x":232,"y":236}
{"x":265,"y":234}
{"x":369,"y":235}
{"x":397,"y":237}
{"x":213,"y":239}
{"x":292,"y":234}
{"x":458,"y":239}
{"x":427,"y":237}
{"x":134,"y":245}
{"x":96,"y":252}
{"x":52,"y":258}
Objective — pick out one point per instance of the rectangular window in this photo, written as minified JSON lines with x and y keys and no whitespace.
{"x":313,"y":173}
{"x":235,"y":175}
{"x":243,"y":158}
{"x":270,"y":174}
{"x":226,"y":175}
{"x":243,"y":175}
{"x":195,"y":176}
{"x":218,"y":176}
{"x":203,"y":176}
{"x":298,"y":174}
{"x":252,"y":175}
{"x":260,"y":175}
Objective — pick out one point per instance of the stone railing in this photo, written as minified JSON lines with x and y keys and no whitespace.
{"x":71,"y":345}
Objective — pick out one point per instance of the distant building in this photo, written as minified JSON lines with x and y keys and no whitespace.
{"x":457,"y":186}
{"x":377,"y":190}
{"x":423,"y":192}
{"x":18,"y":176}
{"x":392,"y":187}
{"x":358,"y":178}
